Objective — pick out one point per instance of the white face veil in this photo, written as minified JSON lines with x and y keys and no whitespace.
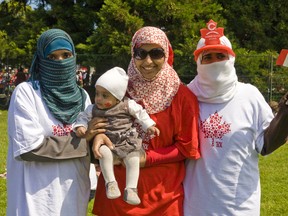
{"x":215,"y":82}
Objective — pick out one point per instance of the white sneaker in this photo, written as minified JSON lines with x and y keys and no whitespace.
{"x":112,"y":190}
{"x":131,"y":196}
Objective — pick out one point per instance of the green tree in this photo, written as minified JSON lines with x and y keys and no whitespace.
{"x":78,"y":18}
{"x":119,"y":20}
{"x":9,"y":51}
{"x":26,"y":24}
{"x":102,"y":31}
{"x":258,"y":25}
{"x":12,"y":16}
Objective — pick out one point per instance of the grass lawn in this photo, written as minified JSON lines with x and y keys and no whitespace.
{"x":273,"y":171}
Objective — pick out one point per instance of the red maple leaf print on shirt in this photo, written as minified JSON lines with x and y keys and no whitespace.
{"x":214,"y":129}
{"x":59,"y":130}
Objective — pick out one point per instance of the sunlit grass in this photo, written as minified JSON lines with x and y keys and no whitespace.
{"x":274,"y":179}
{"x":3,"y":153}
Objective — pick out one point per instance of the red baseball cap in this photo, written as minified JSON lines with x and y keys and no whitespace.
{"x":213,"y":38}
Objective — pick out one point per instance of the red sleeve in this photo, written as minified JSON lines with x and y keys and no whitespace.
{"x":178,"y":127}
{"x":187,"y":114}
{"x":163,"y":155}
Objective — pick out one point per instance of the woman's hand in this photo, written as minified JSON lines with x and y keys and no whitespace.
{"x":100,"y":139}
{"x":96,"y":126}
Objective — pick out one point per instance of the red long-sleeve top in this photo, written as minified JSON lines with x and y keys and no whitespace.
{"x":160,"y":182}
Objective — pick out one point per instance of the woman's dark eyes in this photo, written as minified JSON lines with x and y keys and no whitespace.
{"x":67,"y":55}
{"x":55,"y":57}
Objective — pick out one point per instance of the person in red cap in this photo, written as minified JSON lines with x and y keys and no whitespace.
{"x":236,"y":125}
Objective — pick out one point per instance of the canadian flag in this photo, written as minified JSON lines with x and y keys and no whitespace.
{"x":283,"y":58}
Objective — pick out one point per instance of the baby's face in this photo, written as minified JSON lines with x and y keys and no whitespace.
{"x":104,"y":99}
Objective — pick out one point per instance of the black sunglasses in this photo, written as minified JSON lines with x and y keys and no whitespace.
{"x":156,"y":53}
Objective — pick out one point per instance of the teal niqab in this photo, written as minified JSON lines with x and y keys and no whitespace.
{"x":57,"y":78}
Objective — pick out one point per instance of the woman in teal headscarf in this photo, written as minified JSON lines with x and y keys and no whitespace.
{"x":57,"y":78}
{"x":47,"y":166}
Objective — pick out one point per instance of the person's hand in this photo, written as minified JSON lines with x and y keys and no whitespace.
{"x":283,"y":105}
{"x":100,"y":139}
{"x":284,"y":100}
{"x":96,"y":126}
{"x":80,"y":131}
{"x":153,"y":130}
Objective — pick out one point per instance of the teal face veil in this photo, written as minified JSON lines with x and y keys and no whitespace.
{"x":57,"y":78}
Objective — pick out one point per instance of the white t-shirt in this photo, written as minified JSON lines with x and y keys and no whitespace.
{"x":225,"y":181}
{"x":41,"y":188}
{"x":93,"y":177}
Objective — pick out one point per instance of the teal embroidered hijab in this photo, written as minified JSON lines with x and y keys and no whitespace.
{"x":57,"y":78}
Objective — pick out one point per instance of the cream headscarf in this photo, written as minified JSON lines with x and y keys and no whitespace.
{"x":157,"y":94}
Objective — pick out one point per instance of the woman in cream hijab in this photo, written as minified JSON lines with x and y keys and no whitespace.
{"x":155,"y":85}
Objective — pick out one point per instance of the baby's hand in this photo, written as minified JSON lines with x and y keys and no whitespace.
{"x":81,"y":131}
{"x":153,"y":130}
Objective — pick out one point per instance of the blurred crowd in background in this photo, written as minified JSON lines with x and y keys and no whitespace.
{"x":11,"y":77}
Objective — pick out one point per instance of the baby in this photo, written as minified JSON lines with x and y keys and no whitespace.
{"x":120,"y":111}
